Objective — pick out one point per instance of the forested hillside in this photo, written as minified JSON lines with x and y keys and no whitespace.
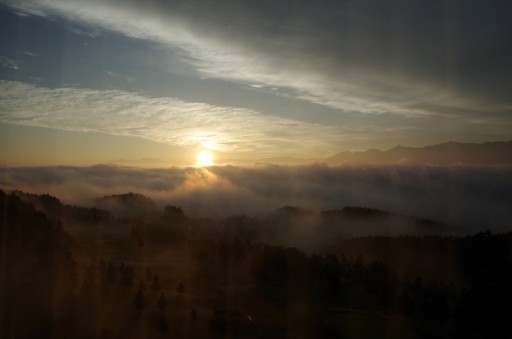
{"x":170,"y":275}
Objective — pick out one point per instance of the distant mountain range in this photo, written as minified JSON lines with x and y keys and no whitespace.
{"x":448,"y":153}
{"x":487,"y":153}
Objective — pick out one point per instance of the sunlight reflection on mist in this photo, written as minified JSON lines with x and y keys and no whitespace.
{"x":464,"y":195}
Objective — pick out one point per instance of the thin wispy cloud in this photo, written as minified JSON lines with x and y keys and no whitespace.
{"x":8,"y":63}
{"x":167,"y":120}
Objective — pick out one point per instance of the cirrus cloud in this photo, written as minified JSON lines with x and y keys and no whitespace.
{"x":167,"y":120}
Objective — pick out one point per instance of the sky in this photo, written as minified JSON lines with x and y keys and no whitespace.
{"x":158,"y":82}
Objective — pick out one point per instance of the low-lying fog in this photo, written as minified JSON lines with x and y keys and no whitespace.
{"x":474,"y":197}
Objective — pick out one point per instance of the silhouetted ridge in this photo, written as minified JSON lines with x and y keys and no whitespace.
{"x":291,"y":211}
{"x":42,"y":202}
{"x":487,"y":153}
{"x":128,"y":205}
{"x":23,"y":225}
{"x":126,"y":199}
{"x":54,"y":208}
{"x":363,"y":212}
{"x":174,"y":214}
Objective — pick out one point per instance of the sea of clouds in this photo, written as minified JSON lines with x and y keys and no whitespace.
{"x":474,"y":197}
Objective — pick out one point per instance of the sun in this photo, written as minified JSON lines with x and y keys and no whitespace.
{"x":205,"y":159}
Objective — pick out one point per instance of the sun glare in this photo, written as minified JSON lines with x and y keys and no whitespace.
{"x":205,"y":159}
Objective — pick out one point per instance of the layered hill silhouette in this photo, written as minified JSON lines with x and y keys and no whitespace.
{"x":126,"y":199}
{"x":487,"y":153}
{"x":287,"y":225}
{"x":54,"y":208}
{"x":309,"y":230}
{"x":126,"y":204}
